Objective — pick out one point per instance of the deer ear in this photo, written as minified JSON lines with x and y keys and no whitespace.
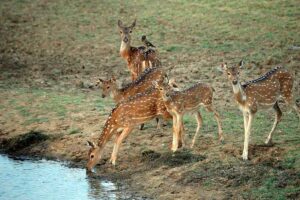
{"x":91,"y":144}
{"x":133,"y":24}
{"x":224,"y":66}
{"x":120,"y":24}
{"x":241,"y":64}
{"x":172,"y":83}
{"x":113,"y":78}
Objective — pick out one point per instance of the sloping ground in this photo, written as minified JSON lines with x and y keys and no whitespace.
{"x":51,"y":52}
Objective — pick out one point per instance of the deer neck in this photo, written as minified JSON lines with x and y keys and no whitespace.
{"x":239,"y":93}
{"x":125,"y":49}
{"x":116,"y":93}
{"x":106,"y":133}
{"x":165,"y":96}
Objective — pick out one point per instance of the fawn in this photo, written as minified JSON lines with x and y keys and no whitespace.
{"x":138,"y":58}
{"x":179,"y":103}
{"x":260,"y":93}
{"x":126,"y":115}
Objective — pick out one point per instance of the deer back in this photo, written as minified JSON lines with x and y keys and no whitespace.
{"x":143,"y":83}
{"x":267,"y":88}
{"x":139,"y":109}
{"x":191,"y":98}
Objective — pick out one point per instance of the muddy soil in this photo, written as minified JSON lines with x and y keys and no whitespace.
{"x":210,"y":171}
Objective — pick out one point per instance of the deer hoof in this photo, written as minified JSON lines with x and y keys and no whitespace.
{"x":142,"y":127}
{"x":269,"y":142}
{"x":112,"y":161}
{"x":221,"y":140}
{"x":245,"y":157}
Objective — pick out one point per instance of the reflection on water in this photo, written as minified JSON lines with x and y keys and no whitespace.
{"x":28,"y":179}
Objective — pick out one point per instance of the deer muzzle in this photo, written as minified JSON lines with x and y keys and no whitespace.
{"x":125,"y":39}
{"x":234,"y":82}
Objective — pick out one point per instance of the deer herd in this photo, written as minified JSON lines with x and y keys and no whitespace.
{"x":152,"y":95}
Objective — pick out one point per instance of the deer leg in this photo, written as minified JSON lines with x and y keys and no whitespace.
{"x":277,"y":120}
{"x":158,"y":126}
{"x":132,"y":76}
{"x":181,"y":132}
{"x":142,"y":126}
{"x":245,"y":114}
{"x":118,"y":142}
{"x":115,"y":142}
{"x":297,"y":109}
{"x":175,"y":134}
{"x":199,"y":124}
{"x":217,"y":117}
{"x":247,"y":137}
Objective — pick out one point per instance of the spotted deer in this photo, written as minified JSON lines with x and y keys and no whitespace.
{"x":126,"y":115}
{"x":189,"y":100}
{"x":140,"y":85}
{"x":260,"y":93}
{"x":138,"y":58}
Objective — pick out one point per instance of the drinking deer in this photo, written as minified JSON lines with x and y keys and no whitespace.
{"x":138,"y":58}
{"x":179,"y":103}
{"x":260,"y":93}
{"x":126,"y":115}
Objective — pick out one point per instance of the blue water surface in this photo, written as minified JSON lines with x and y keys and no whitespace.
{"x":42,"y":179}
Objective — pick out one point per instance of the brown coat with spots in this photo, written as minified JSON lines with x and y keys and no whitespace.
{"x":179,"y":103}
{"x":267,"y":89}
{"x":137,"y":58}
{"x":140,"y":85}
{"x":126,"y":115}
{"x":263,"y":92}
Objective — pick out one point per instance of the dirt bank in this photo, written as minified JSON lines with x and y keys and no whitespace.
{"x":210,"y":171}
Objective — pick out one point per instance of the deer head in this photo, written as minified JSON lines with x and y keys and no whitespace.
{"x":125,"y":31}
{"x":163,"y":89}
{"x":107,"y":86}
{"x":233,"y":72}
{"x":172,"y":83}
{"x":94,"y":155}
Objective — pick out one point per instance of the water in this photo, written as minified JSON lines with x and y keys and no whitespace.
{"x":43,"y":179}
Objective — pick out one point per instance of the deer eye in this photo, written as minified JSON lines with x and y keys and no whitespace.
{"x":121,"y":32}
{"x":130,"y":31}
{"x":228,"y":73}
{"x":92,"y":156}
{"x":107,"y":87}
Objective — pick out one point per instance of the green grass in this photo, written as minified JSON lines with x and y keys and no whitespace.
{"x":73,"y":130}
{"x":64,"y":35}
{"x":39,"y":105}
{"x":232,"y":122}
{"x":254,"y":31}
{"x":29,"y":121}
{"x":271,"y":190}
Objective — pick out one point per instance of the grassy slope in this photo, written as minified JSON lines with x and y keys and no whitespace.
{"x":47,"y":43}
